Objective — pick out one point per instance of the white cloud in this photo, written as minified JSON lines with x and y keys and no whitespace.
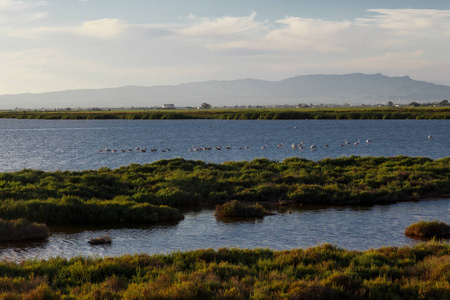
{"x":206,"y":27}
{"x":20,"y":11}
{"x":104,"y":28}
{"x":410,"y":21}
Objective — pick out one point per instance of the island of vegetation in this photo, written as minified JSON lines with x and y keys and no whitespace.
{"x":379,"y":113}
{"x":428,"y":229}
{"x":236,"y":209}
{"x":21,"y":229}
{"x":151,"y":193}
{"x":321,"y":272}
{"x":100,"y":240}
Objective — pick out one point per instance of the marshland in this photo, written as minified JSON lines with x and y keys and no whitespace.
{"x":358,"y":196}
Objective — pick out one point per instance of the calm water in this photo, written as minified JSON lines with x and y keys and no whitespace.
{"x":351,"y":228}
{"x":74,"y":145}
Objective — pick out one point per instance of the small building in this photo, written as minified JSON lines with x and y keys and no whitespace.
{"x":168,"y":106}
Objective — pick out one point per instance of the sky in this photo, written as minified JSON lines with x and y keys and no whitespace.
{"x":56,"y":45}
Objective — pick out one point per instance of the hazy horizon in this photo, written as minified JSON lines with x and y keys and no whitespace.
{"x":58,"y":45}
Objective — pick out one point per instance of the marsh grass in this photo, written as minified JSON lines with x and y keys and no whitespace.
{"x":149,"y":193}
{"x":428,"y":229}
{"x":21,"y":229}
{"x":322,"y":272}
{"x":237,"y":209}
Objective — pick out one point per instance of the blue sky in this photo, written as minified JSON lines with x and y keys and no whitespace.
{"x":71,"y":44}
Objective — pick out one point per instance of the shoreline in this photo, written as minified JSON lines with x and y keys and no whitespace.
{"x":357,"y":113}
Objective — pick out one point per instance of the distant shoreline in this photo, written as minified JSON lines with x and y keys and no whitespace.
{"x":365,"y":113}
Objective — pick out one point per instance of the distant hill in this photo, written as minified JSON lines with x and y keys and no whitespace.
{"x":325,"y":89}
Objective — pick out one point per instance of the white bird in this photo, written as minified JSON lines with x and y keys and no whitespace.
{"x":368,"y":141}
{"x":356,"y":143}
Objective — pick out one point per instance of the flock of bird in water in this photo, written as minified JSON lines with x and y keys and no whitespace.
{"x":294,"y":146}
{"x":299,"y":146}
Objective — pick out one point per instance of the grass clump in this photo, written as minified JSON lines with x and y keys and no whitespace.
{"x":237,"y":209}
{"x":100,"y":240}
{"x":21,"y":229}
{"x":428,"y":229}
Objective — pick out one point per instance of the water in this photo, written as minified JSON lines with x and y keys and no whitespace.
{"x":357,"y":228}
{"x":74,"y":144}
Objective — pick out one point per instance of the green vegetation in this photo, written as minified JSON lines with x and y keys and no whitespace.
{"x":73,"y":210}
{"x":428,"y":229}
{"x":244,"y":114}
{"x":21,"y":229}
{"x":236,"y":209}
{"x":136,"y":192}
{"x":321,"y":272}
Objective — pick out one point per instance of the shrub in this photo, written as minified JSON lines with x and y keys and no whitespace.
{"x":236,"y":209}
{"x":428,"y":229}
{"x":21,"y":229}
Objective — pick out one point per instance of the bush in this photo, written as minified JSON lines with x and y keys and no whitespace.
{"x":428,"y":229}
{"x":236,"y":209}
{"x":21,"y":229}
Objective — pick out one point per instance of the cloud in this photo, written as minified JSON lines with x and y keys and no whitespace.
{"x":104,"y":28}
{"x":409,"y":21}
{"x":118,"y":50}
{"x":224,"y":26}
{"x":20,"y":11}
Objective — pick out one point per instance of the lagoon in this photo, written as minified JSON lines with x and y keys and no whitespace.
{"x":74,"y":144}
{"x":355,"y":228}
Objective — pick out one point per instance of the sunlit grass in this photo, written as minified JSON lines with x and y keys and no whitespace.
{"x":322,"y":272}
{"x":428,"y":229}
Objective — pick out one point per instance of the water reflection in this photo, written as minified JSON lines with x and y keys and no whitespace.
{"x":357,"y":228}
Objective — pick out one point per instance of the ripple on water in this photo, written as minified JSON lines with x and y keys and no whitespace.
{"x":347,"y":227}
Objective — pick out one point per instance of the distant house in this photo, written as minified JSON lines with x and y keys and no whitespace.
{"x":168,"y":106}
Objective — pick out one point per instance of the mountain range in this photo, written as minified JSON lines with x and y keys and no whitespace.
{"x":353,"y":89}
